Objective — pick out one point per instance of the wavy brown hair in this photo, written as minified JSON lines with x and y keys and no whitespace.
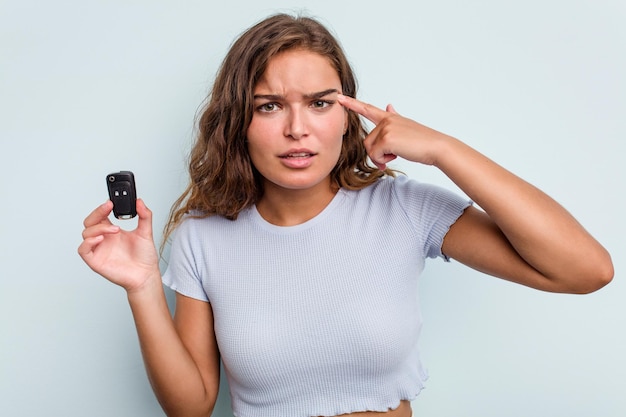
{"x":223,"y":180}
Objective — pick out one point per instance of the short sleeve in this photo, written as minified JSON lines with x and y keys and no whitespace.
{"x":182,"y":274}
{"x":431,"y":209}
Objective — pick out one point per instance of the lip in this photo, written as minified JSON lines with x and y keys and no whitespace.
{"x":297,"y":158}
{"x":297,"y":152}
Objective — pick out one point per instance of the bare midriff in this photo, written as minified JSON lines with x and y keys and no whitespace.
{"x":403,"y":410}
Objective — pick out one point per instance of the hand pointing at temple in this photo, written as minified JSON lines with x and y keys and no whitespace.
{"x":395,"y":135}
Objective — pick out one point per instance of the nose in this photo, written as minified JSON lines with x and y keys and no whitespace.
{"x":296,"y":126}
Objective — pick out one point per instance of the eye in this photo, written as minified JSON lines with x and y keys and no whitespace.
{"x":321,"y":104}
{"x":268,"y":107}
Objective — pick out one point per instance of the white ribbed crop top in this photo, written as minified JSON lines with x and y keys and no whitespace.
{"x":322,"y":318}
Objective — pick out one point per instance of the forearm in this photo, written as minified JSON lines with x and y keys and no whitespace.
{"x":540,"y":230}
{"x":522,"y":223}
{"x":174,"y":376}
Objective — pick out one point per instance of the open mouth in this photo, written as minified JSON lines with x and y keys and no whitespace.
{"x":296,"y":155}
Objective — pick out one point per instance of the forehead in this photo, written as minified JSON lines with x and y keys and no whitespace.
{"x":300,"y":71}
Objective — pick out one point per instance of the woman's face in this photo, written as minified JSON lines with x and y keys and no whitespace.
{"x":295,"y":136}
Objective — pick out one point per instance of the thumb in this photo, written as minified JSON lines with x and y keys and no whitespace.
{"x":144,"y":225}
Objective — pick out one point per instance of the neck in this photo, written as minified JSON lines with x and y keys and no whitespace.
{"x":284,"y":207}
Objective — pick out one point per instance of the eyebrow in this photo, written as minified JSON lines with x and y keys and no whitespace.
{"x":310,"y":96}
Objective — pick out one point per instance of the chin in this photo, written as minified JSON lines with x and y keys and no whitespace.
{"x":302,"y":184}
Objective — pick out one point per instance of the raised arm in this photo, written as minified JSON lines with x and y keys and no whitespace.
{"x":180,"y":354}
{"x":523,"y":235}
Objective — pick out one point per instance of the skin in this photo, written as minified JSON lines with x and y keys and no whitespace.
{"x":295,"y":136}
{"x":524,"y":235}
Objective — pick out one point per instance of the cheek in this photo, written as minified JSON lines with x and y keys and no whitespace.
{"x":340,"y":128}
{"x":335,"y":125}
{"x":254,"y":130}
{"x":257,"y":135}
{"x":253,"y":145}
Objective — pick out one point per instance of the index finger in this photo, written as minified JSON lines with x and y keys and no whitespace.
{"x":99,"y":214}
{"x":370,"y":112}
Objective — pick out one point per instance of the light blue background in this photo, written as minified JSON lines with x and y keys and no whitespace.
{"x":90,"y":87}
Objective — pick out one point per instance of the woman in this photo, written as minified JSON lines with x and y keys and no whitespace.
{"x":296,"y":261}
